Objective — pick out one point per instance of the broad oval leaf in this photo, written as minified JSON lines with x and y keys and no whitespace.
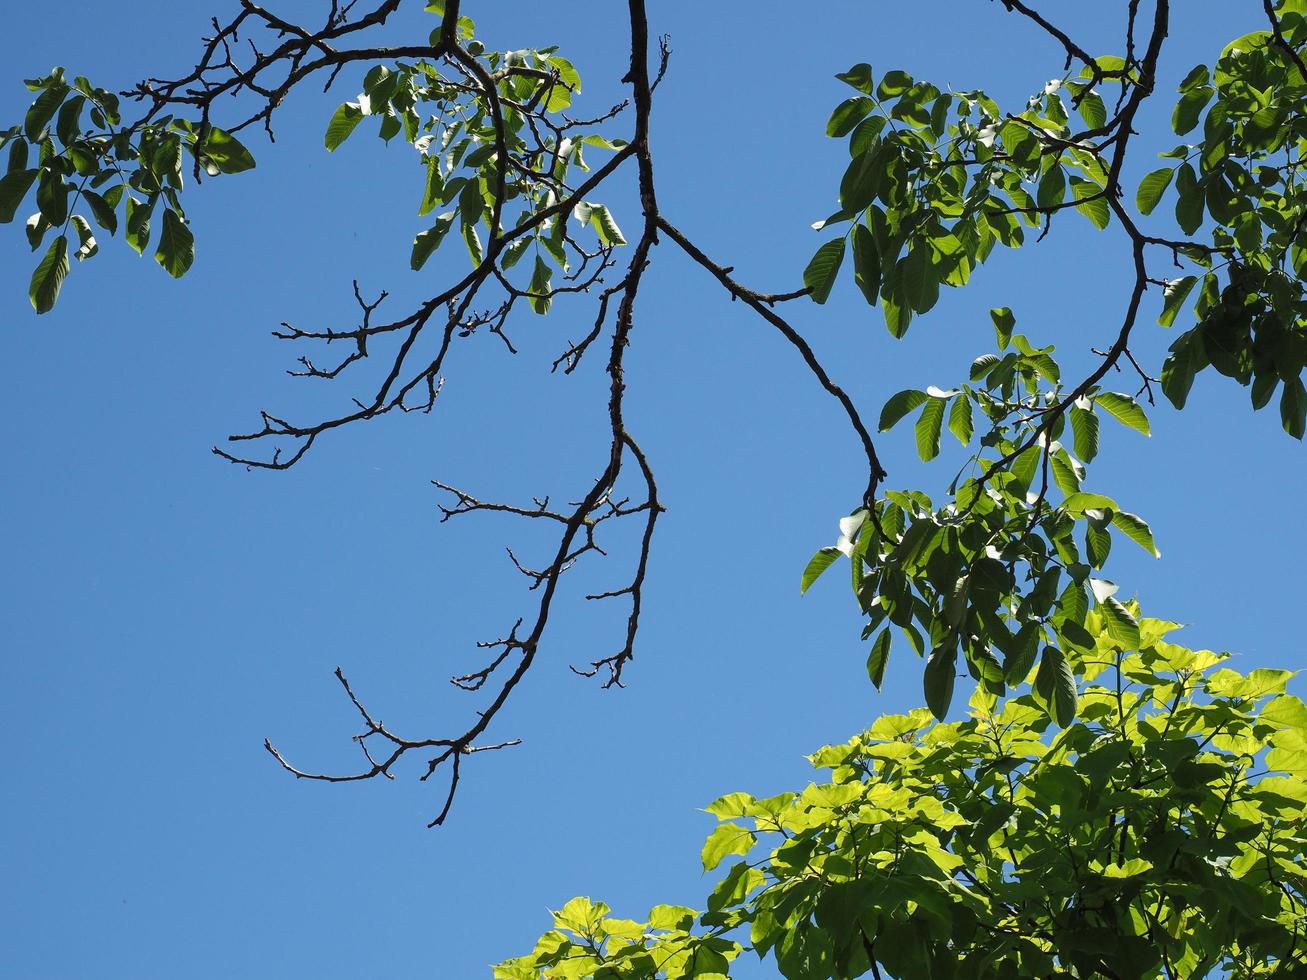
{"x":176,"y":251}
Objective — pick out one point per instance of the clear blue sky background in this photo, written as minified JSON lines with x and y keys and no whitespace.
{"x":163,"y":611}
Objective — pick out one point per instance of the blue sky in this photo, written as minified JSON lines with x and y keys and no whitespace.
{"x":163,"y":612}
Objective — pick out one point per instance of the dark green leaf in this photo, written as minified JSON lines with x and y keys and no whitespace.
{"x":847,"y":115}
{"x":541,"y":284}
{"x":226,"y":151}
{"x":49,"y":276}
{"x":87,"y":245}
{"x":138,"y":224}
{"x":1293,"y":407}
{"x":41,"y":112}
{"x":176,"y":251}
{"x":1055,"y":678}
{"x":859,"y":76}
{"x":917,"y":276}
{"x":68,"y":128}
{"x":866,"y":263}
{"x":103,"y":212}
{"x":52,"y":197}
{"x":938,"y":680}
{"x":1190,"y":106}
{"x":879,"y":657}
{"x":13,"y":188}
{"x":1189,"y":202}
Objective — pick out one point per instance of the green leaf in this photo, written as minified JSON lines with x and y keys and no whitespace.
{"x":1186,"y":360}
{"x":1025,"y":647}
{"x":898,"y":316}
{"x":87,"y":245}
{"x":1124,"y":409}
{"x":879,"y":657}
{"x":228,"y":154}
{"x":52,"y":194}
{"x":726,"y":839}
{"x":820,"y":274}
{"x":938,"y":680}
{"x":541,"y":283}
{"x":473,"y":242}
{"x":1084,"y":426}
{"x":1189,"y":202}
{"x":1093,"y":204}
{"x":847,"y":115}
{"x":866,"y":263}
{"x":918,"y":278}
{"x":819,"y":562}
{"x":1004,"y":322}
{"x":928,"y":429}
{"x":49,"y":276}
{"x":1137,"y":530}
{"x":1190,"y":106}
{"x":859,"y":76}
{"x":428,"y":241}
{"x":1092,"y":110}
{"x":13,"y":188}
{"x":1293,"y":407}
{"x":1121,"y":626}
{"x":601,"y":219}
{"x":861,"y":180}
{"x":514,"y":252}
{"x":435,"y":186}
{"x":138,"y":224}
{"x":959,"y":419}
{"x":1057,"y":683}
{"x":899,"y":405}
{"x":103,"y":212}
{"x":1052,"y":187}
{"x":1078,"y":503}
{"x":68,"y":128}
{"x":1174,"y":294}
{"x":343,"y":122}
{"x":176,"y":251}
{"x":42,"y":111}
{"x":1152,"y":187}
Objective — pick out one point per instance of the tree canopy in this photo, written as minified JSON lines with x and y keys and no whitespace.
{"x":1110,"y":803}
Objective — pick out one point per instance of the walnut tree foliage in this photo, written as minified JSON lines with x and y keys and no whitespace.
{"x":1109,"y":803}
